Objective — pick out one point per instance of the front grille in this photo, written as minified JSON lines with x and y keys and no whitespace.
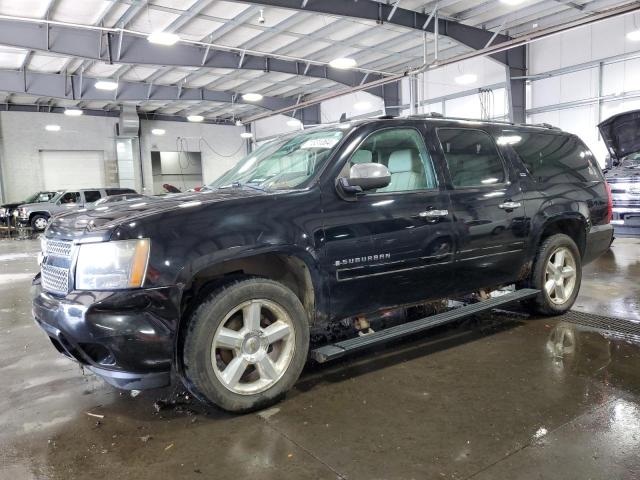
{"x":55,"y":279}
{"x":57,"y":248}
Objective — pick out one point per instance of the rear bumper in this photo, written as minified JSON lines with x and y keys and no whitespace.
{"x":125,"y":337}
{"x":598,"y":241}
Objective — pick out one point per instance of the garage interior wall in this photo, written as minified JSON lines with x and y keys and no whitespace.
{"x":577,"y":101}
{"x":220,"y":146}
{"x":23,"y":138}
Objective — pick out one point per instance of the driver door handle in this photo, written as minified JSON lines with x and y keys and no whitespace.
{"x":510,"y":205}
{"x":433,"y":214}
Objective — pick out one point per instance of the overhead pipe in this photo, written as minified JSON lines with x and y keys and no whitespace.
{"x":493,"y":49}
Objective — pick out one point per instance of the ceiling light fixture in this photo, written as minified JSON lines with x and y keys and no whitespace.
{"x":239,"y":123}
{"x":195,"y":118}
{"x":634,"y":36}
{"x":52,"y":128}
{"x":466,"y":79}
{"x":343,"y":63}
{"x":158,"y":131}
{"x":163,"y":38}
{"x":362,"y":106}
{"x":73,"y":112}
{"x":252,"y":97}
{"x":106,"y":85}
{"x":246,"y":135}
{"x":512,"y":2}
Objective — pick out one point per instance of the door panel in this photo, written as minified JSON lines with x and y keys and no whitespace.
{"x":487,"y":207}
{"x":393,"y":246}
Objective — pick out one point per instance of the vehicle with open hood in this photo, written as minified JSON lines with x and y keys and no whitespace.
{"x":621,"y":133}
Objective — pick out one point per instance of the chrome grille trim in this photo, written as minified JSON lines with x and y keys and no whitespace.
{"x":55,"y":279}
{"x":57,"y":248}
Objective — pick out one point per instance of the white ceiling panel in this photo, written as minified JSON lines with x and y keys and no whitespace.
{"x":86,"y":12}
{"x":238,"y":36}
{"x":11,"y":58}
{"x":102,"y":70}
{"x":275,"y":43}
{"x":198,"y":28}
{"x":45,"y":63}
{"x":152,"y":20}
{"x":311,"y":24}
{"x":177,"y":4}
{"x":24,"y":8}
{"x":138,"y":74}
{"x":222,"y":9}
{"x":202,"y":80}
{"x":172,"y":77}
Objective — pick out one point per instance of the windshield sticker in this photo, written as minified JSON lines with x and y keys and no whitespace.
{"x":320,"y":143}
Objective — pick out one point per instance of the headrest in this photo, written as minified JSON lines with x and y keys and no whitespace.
{"x":361,"y":156}
{"x":401,"y":161}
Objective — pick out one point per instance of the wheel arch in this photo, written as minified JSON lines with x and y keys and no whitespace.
{"x":295,"y":268}
{"x":574,"y":225}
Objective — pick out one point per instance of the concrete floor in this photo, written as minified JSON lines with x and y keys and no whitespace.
{"x":503,"y":398}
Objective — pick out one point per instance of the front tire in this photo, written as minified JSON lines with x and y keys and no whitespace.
{"x":557,"y":273}
{"x":39,"y":222}
{"x":246,"y":345}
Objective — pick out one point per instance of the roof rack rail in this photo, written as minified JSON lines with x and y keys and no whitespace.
{"x":546,"y":125}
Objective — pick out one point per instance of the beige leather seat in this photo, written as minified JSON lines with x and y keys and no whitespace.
{"x":361,"y":156}
{"x":404,"y":176}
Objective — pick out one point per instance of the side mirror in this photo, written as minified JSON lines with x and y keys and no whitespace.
{"x":366,"y":176}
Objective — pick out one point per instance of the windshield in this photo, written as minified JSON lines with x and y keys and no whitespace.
{"x":631,"y":161}
{"x":39,"y":197}
{"x":283,"y":164}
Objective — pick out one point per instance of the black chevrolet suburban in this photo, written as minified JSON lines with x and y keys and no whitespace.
{"x":320,"y":243}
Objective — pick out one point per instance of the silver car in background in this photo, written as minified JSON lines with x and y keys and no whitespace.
{"x":37,"y":215}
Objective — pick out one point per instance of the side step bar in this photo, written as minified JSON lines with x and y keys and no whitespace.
{"x":337,"y":350}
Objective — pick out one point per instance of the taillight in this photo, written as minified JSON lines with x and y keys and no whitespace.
{"x":609,"y":203}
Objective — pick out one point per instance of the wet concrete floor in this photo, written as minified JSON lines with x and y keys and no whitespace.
{"x":498,"y":398}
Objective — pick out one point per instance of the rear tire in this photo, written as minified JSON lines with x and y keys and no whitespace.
{"x":557,"y":273}
{"x":39,"y":222}
{"x":246,"y":345}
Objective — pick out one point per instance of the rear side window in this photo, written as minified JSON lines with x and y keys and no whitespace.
{"x":472,"y":157}
{"x":91,"y":196}
{"x":555,"y":158}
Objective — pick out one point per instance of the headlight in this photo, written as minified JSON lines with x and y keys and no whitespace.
{"x":3,"y":212}
{"x":15,"y":213}
{"x":112,"y":265}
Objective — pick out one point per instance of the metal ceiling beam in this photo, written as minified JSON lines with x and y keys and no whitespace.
{"x":473,"y":37}
{"x":86,"y":43}
{"x":67,"y":87}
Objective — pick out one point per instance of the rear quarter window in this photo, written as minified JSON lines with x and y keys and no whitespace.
{"x":555,"y":157}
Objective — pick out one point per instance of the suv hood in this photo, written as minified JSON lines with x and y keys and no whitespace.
{"x":621,"y":134}
{"x":77,"y":222}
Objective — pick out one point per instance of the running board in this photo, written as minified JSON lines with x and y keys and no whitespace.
{"x":337,"y":350}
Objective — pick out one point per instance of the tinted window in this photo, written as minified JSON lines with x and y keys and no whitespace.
{"x":91,"y":196}
{"x":403,"y":152}
{"x":70,"y":197}
{"x":118,"y":191}
{"x":555,"y":158}
{"x":472,"y":157}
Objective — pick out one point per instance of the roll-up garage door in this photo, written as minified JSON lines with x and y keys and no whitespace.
{"x":65,"y":169}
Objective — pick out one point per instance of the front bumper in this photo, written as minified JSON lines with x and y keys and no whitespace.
{"x":126,"y":337}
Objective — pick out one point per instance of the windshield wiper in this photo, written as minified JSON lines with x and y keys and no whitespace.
{"x":242,"y":185}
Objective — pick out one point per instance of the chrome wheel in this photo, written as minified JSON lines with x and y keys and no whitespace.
{"x":560,"y":276}
{"x":40,"y":223}
{"x":253,"y":347}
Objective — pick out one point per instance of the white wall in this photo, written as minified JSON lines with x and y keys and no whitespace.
{"x":23,"y":135}
{"x":220,"y":145}
{"x":332,"y":110}
{"x":435,"y":84}
{"x":271,"y":126}
{"x":595,"y":43}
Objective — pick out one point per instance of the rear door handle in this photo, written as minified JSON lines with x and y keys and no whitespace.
{"x":510,"y":205}
{"x":433,"y":214}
